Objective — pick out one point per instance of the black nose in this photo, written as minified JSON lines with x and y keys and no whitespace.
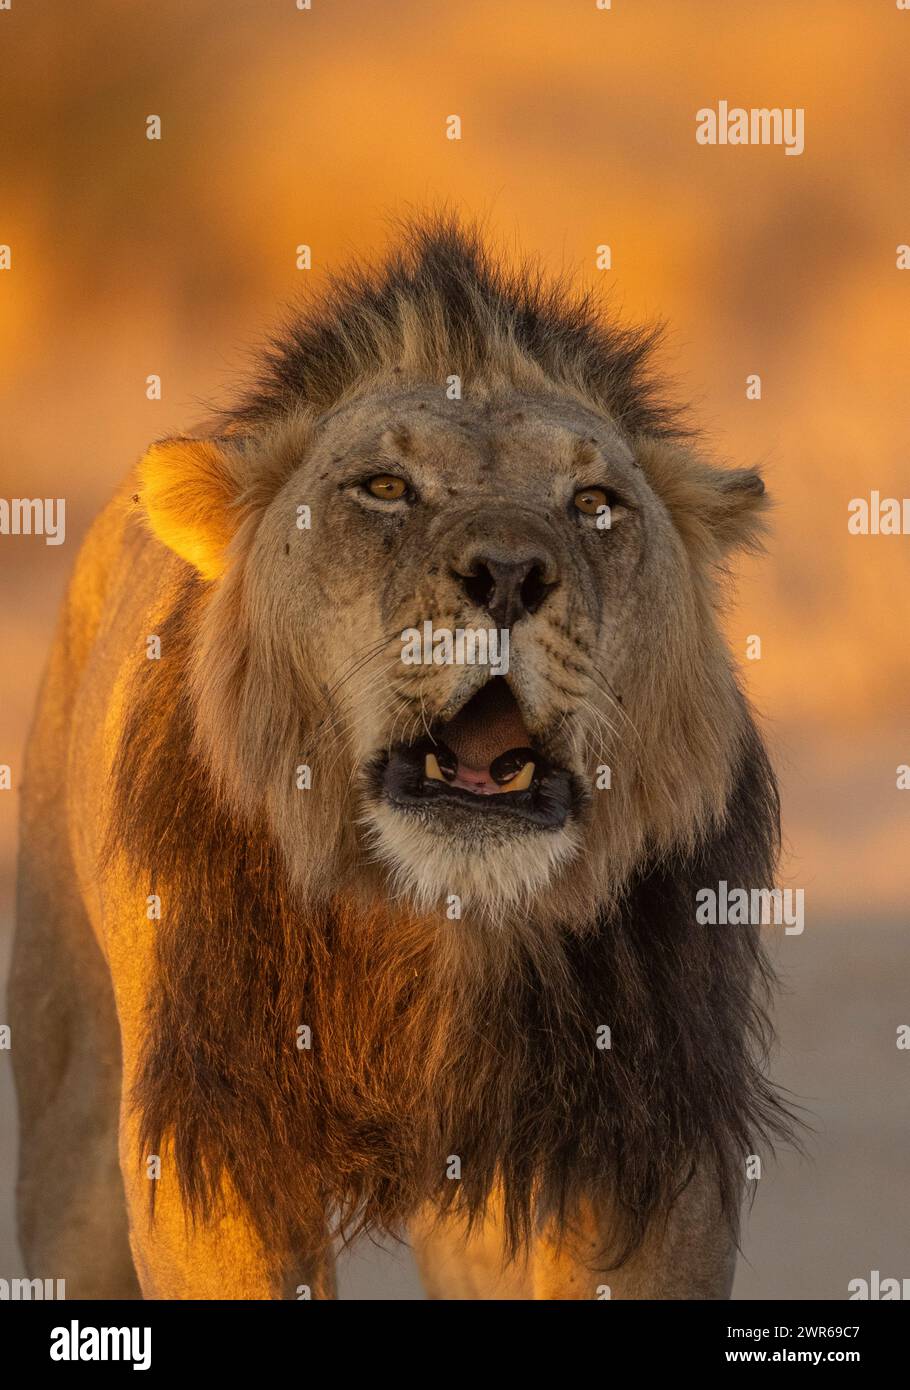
{"x":507,"y":589}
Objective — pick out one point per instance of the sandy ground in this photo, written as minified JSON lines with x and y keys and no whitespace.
{"x":817,"y":1222}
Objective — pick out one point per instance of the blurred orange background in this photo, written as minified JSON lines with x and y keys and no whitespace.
{"x":282,"y":126}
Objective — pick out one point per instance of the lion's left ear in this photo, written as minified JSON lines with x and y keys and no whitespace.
{"x":187,"y":487}
{"x":714,"y":509}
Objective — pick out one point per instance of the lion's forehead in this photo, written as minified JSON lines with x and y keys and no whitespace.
{"x":474,"y":440}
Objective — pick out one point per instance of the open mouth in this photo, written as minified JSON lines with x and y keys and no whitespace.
{"x":482,"y":760}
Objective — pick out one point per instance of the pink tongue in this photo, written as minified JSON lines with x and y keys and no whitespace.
{"x":489,"y":724}
{"x":474,"y":781}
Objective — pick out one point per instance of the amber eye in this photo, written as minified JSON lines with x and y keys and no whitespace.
{"x":387,"y":487}
{"x":590,"y":499}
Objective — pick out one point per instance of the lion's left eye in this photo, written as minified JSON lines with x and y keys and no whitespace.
{"x":387,"y":487}
{"x":590,"y":500}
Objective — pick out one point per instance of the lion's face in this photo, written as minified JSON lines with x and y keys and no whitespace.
{"x":466,"y":650}
{"x":521,"y":523}
{"x":485,"y":595}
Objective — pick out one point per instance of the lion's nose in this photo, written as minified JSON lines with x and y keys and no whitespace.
{"x":507,"y":589}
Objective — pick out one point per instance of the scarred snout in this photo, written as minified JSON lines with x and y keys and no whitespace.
{"x":505,"y":567}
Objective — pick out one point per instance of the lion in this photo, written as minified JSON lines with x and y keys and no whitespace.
{"x":313,"y":941}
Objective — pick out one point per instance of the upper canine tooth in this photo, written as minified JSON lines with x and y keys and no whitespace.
{"x":522,"y":780}
{"x":432,"y":769}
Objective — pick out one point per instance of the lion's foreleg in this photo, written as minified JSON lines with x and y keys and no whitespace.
{"x":178,"y":1256}
{"x":691,"y":1254}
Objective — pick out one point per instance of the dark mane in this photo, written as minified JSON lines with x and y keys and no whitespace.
{"x":475,"y":315}
{"x":406,"y":1067}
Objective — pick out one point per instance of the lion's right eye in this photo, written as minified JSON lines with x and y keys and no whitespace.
{"x":590,"y":500}
{"x":387,"y":487}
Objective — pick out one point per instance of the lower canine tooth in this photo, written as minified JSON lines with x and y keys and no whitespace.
{"x":431,"y":769}
{"x":522,"y":780}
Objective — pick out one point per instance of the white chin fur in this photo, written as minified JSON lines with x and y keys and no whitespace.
{"x":496,"y":872}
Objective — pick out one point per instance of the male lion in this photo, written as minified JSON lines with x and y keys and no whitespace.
{"x":314,"y":940}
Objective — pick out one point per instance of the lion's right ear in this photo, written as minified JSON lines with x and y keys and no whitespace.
{"x":187,"y":487}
